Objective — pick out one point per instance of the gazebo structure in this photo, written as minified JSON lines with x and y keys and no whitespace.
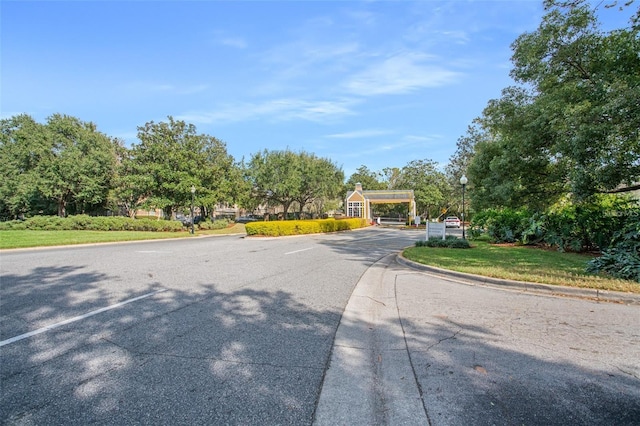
{"x":358,"y":202}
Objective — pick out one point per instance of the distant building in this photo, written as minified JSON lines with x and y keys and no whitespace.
{"x":358,"y":202}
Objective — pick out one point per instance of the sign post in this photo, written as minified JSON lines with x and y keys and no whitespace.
{"x":435,"y":230}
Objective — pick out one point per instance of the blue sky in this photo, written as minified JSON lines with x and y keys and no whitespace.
{"x":359,"y":82}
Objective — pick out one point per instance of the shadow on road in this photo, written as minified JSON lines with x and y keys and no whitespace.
{"x":251,"y":356}
{"x":204,"y":357}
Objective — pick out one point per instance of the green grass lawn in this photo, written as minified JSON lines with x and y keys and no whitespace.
{"x":30,"y":238}
{"x":519,"y":263}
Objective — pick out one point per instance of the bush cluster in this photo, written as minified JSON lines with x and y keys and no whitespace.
{"x":622,"y":258}
{"x":450,"y":241}
{"x":216,"y":224}
{"x":607,"y":224}
{"x":89,"y":223}
{"x":299,"y":227}
{"x":576,"y":228}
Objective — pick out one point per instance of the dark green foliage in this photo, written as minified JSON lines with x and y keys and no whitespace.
{"x":505,"y":225}
{"x":449,"y":242}
{"x":622,"y":259}
{"x":170,"y":159}
{"x":587,"y":226}
{"x":63,"y":166}
{"x":216,"y":224}
{"x":287,"y":177}
{"x":88,"y":223}
{"x":572,"y":125}
{"x":577,"y":227}
{"x":369,"y":180}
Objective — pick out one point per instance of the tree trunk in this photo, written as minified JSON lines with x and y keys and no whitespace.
{"x":62,"y":207}
{"x":286,"y":209}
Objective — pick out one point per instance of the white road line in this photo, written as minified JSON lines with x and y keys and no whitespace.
{"x":74,"y":319}
{"x":298,"y":251}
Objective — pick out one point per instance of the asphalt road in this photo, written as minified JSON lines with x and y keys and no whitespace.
{"x":227,"y":330}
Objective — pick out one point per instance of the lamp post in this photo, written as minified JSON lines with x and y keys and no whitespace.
{"x":463,"y":182}
{"x":193,"y":192}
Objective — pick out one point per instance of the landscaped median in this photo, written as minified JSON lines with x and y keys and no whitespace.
{"x":43,"y":231}
{"x":519,"y":263}
{"x":299,"y":227}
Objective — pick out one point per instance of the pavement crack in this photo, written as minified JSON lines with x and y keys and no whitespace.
{"x":377,"y":301}
{"x":209,"y":358}
{"x":444,"y":339}
{"x":629,"y":373}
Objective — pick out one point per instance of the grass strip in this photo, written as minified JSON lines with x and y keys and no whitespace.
{"x":520,"y":263}
{"x":32,"y":238}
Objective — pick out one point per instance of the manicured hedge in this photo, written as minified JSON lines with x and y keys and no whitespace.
{"x":216,"y":224}
{"x":89,"y":223}
{"x":298,"y":227}
{"x":450,"y":241}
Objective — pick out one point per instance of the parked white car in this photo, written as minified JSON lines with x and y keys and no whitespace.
{"x":452,"y":222}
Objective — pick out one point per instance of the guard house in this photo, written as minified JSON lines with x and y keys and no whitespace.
{"x":358,"y":202}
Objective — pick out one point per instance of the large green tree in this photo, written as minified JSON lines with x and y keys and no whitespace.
{"x":369,"y":179}
{"x":23,"y":143}
{"x":321,"y":180}
{"x":65,"y":162}
{"x":284,"y":177}
{"x":428,"y":183}
{"x":79,"y":166}
{"x":586,"y":86}
{"x":170,"y":158}
{"x":573,"y":124}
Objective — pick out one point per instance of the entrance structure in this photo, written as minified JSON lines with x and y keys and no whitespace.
{"x":358,"y":202}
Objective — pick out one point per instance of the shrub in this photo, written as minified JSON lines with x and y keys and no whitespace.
{"x":622,"y":259}
{"x":449,"y":242}
{"x":216,"y":224}
{"x":85,"y":222}
{"x":504,"y":225}
{"x":590,"y":225}
{"x":569,"y":227}
{"x":298,"y":227}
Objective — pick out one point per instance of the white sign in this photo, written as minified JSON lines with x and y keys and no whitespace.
{"x":435,"y":230}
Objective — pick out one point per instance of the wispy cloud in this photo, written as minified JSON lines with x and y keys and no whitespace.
{"x":275,"y":110}
{"x":301,"y":57}
{"x":237,"y":42}
{"x":459,"y":37}
{"x":357,"y":134}
{"x":399,"y":74}
{"x":149,"y":88}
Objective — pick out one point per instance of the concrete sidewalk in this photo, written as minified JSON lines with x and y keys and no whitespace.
{"x":418,"y":348}
{"x":370,"y":380}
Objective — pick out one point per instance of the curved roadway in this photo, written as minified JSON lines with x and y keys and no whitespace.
{"x":230,"y":330}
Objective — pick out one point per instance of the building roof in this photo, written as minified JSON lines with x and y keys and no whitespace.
{"x":384,"y":195}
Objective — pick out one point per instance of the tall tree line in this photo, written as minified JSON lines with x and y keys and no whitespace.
{"x":66,"y":166}
{"x":571,"y":128}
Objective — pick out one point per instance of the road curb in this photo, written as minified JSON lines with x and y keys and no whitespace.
{"x":369,"y":379}
{"x":544,"y":289}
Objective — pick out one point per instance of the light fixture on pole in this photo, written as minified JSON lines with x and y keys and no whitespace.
{"x":193,"y":192}
{"x":463,"y":182}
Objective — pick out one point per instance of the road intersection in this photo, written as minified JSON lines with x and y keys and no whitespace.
{"x":315,"y":329}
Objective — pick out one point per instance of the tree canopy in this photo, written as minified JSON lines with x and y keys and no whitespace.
{"x":573,"y":125}
{"x":171,"y":158}
{"x":370,"y":180}
{"x":61,"y":163}
{"x":284,"y":177}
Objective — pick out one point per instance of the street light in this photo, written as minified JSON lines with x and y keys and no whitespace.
{"x":193,"y":192}
{"x":463,"y":182}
